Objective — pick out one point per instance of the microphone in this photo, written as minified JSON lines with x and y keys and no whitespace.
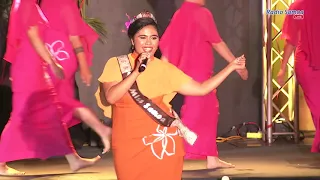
{"x":143,"y":65}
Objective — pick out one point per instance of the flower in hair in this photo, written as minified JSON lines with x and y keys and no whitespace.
{"x":144,"y":14}
{"x":127,"y":23}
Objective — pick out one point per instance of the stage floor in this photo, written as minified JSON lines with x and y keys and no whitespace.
{"x":252,"y":159}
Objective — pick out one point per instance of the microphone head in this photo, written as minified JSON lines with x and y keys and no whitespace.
{"x":143,"y":65}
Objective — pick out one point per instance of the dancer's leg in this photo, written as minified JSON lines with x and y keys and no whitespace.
{"x":316,"y":141}
{"x":214,"y":162}
{"x":76,"y":162}
{"x":92,"y":121}
{"x":307,"y":76}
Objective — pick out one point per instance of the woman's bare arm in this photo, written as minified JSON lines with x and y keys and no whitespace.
{"x":288,"y":50}
{"x":85,"y":72}
{"x":223,"y":51}
{"x":78,"y":48}
{"x":114,"y":91}
{"x":38,"y":45}
{"x":194,"y":88}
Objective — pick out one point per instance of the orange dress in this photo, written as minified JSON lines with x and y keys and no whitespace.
{"x":142,"y":149}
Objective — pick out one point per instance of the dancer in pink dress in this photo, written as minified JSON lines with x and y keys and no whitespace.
{"x":301,"y":32}
{"x":188,"y":43}
{"x":70,"y":41}
{"x":35,"y":128}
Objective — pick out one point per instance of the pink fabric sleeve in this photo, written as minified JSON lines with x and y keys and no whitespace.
{"x":208,"y":25}
{"x":290,"y":28}
{"x":29,"y":16}
{"x":167,"y":38}
{"x":23,"y":15}
{"x":76,"y":26}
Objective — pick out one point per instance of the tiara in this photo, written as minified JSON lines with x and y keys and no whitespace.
{"x":144,"y":14}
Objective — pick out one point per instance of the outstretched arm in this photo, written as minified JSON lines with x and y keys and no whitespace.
{"x":193,"y":88}
{"x":225,"y":52}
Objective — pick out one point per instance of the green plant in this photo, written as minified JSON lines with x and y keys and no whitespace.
{"x":96,"y":24}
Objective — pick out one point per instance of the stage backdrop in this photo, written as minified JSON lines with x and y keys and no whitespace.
{"x":239,"y":24}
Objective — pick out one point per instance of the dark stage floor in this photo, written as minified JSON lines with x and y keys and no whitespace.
{"x":252,"y":160}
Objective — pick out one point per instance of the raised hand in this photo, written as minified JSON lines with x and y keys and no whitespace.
{"x":139,"y":60}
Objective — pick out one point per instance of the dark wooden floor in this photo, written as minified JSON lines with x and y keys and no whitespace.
{"x":252,"y":161}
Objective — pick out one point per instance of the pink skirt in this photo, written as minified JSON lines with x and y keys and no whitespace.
{"x":308,"y":79}
{"x":35,"y":128}
{"x":200,"y":114}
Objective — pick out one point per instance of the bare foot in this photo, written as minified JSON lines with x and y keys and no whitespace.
{"x":7,"y":171}
{"x":83,"y":163}
{"x":215,"y":162}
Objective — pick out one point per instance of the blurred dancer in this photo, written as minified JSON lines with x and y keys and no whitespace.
{"x":301,"y":32}
{"x":35,"y":128}
{"x":70,"y":41}
{"x":187,"y":43}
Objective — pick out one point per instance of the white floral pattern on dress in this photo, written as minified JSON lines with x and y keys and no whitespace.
{"x":162,"y":136}
{"x":57,"y":50}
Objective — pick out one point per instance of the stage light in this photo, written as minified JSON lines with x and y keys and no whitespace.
{"x":279,"y":101}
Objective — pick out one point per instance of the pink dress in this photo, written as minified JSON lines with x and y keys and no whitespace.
{"x":187,"y":43}
{"x":304,"y":34}
{"x":65,"y":20}
{"x":35,"y":128}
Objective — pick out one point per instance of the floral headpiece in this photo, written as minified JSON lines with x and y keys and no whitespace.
{"x":144,"y":14}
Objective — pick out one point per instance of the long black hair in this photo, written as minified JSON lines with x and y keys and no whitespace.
{"x":138,"y":24}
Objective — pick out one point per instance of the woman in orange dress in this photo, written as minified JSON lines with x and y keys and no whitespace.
{"x":142,"y":148}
